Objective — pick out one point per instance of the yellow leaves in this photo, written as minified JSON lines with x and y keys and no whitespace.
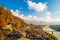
{"x":2,"y":10}
{"x":51,"y":36}
{"x":31,"y":27}
{"x":23,"y":39}
{"x":2,"y":37}
{"x":7,"y":20}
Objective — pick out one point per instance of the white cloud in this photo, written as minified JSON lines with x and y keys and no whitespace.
{"x":29,"y":16}
{"x":37,"y":6}
{"x":35,"y":19}
{"x":15,"y":13}
{"x":48,"y":13}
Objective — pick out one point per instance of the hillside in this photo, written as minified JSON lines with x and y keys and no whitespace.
{"x":14,"y":28}
{"x":9,"y":22}
{"x":7,"y":19}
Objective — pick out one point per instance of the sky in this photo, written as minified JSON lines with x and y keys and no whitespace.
{"x":35,"y":11}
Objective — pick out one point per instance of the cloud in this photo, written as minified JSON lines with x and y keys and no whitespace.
{"x":36,"y":20}
{"x":47,"y":19}
{"x":37,"y":6}
{"x":15,"y":13}
{"x":48,"y":13}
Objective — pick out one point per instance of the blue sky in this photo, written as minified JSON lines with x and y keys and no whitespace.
{"x":44,"y":11}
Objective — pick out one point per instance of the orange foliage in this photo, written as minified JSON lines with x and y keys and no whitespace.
{"x":2,"y":10}
{"x":23,"y":39}
{"x":2,"y":22}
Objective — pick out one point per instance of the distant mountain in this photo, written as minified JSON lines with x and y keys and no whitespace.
{"x":55,"y":27}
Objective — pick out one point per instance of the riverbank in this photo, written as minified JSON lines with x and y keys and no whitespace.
{"x":55,"y":33}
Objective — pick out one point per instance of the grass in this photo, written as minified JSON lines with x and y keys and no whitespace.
{"x":51,"y":36}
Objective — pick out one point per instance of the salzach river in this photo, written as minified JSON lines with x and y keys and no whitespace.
{"x":56,"y":33}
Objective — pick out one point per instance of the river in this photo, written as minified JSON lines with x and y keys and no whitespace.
{"x":56,"y":33}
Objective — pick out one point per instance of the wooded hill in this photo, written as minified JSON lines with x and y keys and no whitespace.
{"x":13,"y":28}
